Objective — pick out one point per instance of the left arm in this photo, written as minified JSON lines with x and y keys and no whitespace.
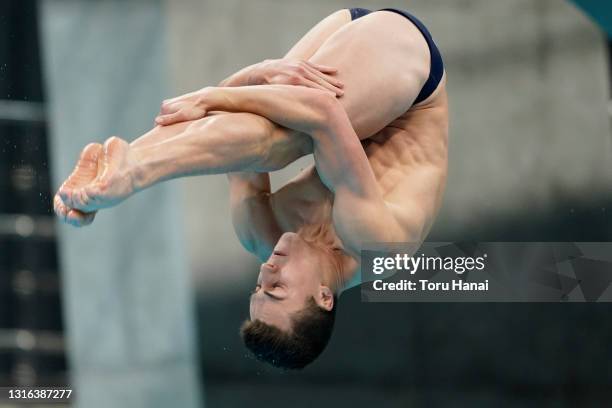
{"x":360,"y":212}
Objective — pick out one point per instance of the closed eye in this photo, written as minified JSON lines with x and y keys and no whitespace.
{"x":272,"y":296}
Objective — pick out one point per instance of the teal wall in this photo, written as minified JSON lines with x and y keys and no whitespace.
{"x":600,"y":11}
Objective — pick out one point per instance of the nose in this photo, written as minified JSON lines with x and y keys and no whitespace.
{"x":268,"y":268}
{"x":269,"y":274}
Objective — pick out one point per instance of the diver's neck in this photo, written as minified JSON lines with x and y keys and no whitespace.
{"x":347,"y":274}
{"x":336,"y":277}
{"x":344,"y":266}
{"x":321,"y":233}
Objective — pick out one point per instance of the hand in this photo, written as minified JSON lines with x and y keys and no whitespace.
{"x":181,"y":109}
{"x":301,"y":73}
{"x":102,"y":178}
{"x":270,"y":72}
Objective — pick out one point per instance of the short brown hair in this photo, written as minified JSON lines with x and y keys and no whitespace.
{"x":310,"y":333}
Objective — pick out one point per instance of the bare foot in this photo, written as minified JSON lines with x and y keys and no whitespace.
{"x":85,"y":171}
{"x":112,"y":183}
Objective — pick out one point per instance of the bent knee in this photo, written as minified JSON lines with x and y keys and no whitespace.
{"x":383,"y":61}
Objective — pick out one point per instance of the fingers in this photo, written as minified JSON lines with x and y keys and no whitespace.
{"x":168,"y":109}
{"x":323,"y":68}
{"x":328,"y":78}
{"x":312,"y":84}
{"x":170,"y":118}
{"x":167,"y":103}
{"x":173,"y":105}
{"x":323,"y":84}
{"x":326,"y":82}
{"x":182,"y":115}
{"x":165,"y":108}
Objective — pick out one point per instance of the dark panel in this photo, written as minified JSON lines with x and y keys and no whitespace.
{"x":31,"y":327}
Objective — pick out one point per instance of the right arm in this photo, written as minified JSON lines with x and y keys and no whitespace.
{"x":252,"y":216}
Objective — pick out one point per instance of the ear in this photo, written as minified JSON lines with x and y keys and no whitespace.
{"x":325,"y":299}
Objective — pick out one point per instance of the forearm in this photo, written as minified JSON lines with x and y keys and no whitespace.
{"x":298,"y":108}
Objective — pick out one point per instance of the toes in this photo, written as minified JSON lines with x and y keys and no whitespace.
{"x":87,"y":198}
{"x":58,"y":205}
{"x":71,"y":216}
{"x":88,"y":218}
{"x":60,"y":209}
{"x":112,"y":143}
{"x":80,"y":200}
{"x":78,"y":218}
{"x":65,"y":195}
{"x":91,"y":152}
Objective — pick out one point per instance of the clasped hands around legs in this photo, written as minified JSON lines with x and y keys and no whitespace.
{"x":106,"y":175}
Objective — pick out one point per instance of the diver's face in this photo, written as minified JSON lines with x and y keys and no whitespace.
{"x":291,"y":275}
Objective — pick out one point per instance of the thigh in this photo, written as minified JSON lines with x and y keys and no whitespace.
{"x":383,"y":60}
{"x":313,"y":39}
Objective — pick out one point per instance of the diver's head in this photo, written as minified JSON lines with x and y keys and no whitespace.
{"x":292,"y":309}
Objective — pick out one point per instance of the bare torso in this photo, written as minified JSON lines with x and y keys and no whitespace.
{"x":409,"y":160}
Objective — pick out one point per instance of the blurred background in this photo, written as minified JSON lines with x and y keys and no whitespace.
{"x":142,"y":309}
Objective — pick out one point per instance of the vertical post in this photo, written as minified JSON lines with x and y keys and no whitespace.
{"x":129,"y":307}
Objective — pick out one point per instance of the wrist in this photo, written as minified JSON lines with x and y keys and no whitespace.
{"x":257,"y":74}
{"x":204,"y":98}
{"x":251,"y":75}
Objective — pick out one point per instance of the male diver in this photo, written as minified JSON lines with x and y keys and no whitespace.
{"x":377,"y":129}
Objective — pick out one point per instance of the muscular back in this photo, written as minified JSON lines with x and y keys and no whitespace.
{"x":409,"y":158}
